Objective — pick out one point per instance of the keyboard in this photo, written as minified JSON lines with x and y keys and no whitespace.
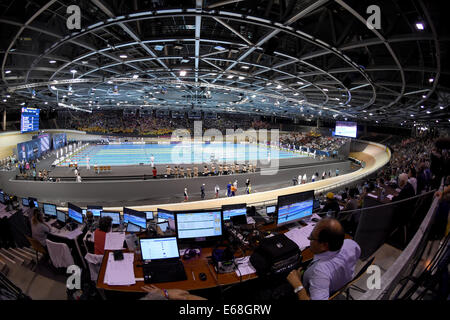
{"x":156,"y":272}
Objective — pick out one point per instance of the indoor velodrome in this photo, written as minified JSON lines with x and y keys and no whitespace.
{"x":259,"y":152}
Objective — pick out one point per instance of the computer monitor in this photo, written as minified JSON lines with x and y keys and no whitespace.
{"x":234,"y":210}
{"x":163,"y":226}
{"x":294,"y":207}
{"x":75,"y":213}
{"x":270,"y":210}
{"x":61,"y":216}
{"x":316,"y":204}
{"x":115,"y":216}
{"x":136,"y":217}
{"x":50,"y":209}
{"x":149,"y":215}
{"x":36,"y":204}
{"x":96,"y":210}
{"x":131,"y":228}
{"x":159,"y":248}
{"x":25,"y":202}
{"x":199,"y":224}
{"x":167,"y":216}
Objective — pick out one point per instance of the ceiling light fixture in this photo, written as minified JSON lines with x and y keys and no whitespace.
{"x":52,"y":61}
{"x":420,"y":26}
{"x":123,"y":56}
{"x":183,"y":73}
{"x":8,"y":71}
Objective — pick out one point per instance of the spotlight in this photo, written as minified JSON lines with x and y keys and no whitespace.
{"x":420,"y":26}
{"x":8,"y":71}
{"x":52,"y":61}
{"x":183,"y":73}
{"x":73,"y":71}
{"x":123,"y":56}
{"x":431,"y":80}
{"x":135,"y":76}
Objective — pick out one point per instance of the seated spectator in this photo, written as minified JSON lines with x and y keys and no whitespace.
{"x":39,"y":229}
{"x":333,"y":264}
{"x":407,"y":189}
{"x":412,"y":179}
{"x":352,"y":203}
{"x":104,"y":226}
{"x":331,"y":205}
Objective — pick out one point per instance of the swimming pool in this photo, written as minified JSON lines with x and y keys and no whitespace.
{"x":134,"y":154}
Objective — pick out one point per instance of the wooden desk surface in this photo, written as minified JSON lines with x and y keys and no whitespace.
{"x":194,"y":266}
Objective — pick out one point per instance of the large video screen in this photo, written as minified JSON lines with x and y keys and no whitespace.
{"x":45,"y":142}
{"x":59,"y":140}
{"x":29,"y":150}
{"x":30,"y":120}
{"x":294,"y":207}
{"x":346,"y":129}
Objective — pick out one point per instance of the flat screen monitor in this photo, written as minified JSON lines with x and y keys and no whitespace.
{"x":270,"y":210}
{"x":115,"y":216}
{"x":316,"y":204}
{"x":50,"y":209}
{"x":25,"y":202}
{"x":61,"y":216}
{"x":346,"y":129}
{"x":294,"y":207}
{"x":234,"y":210}
{"x":75,"y":213}
{"x":159,"y":248}
{"x":131,"y":227}
{"x":149,"y":215}
{"x":29,"y":120}
{"x":36,"y":204}
{"x":136,"y":217}
{"x":163,"y":226}
{"x":199,"y":224}
{"x":96,"y":210}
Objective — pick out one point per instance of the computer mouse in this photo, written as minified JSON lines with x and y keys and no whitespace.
{"x":202,"y":276}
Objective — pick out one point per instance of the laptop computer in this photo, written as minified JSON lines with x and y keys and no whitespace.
{"x":161,"y":260}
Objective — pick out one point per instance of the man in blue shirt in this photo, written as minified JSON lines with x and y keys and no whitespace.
{"x":333,"y":264}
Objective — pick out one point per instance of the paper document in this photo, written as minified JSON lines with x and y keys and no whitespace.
{"x":372,"y":195}
{"x":300,"y":235}
{"x":250,"y":220}
{"x":114,"y":240}
{"x":244,"y":266}
{"x":120,"y":273}
{"x":389,"y":196}
{"x":73,"y":234}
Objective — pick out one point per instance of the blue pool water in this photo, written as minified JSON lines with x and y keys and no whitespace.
{"x":133,"y":154}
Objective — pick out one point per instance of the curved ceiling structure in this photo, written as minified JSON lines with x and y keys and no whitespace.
{"x":305,"y":58}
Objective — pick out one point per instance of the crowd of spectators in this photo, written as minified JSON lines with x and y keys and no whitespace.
{"x":416,"y":167}
{"x":312,"y":140}
{"x":115,"y":121}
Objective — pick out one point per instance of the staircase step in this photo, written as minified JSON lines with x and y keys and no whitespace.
{"x":22,"y":255}
{"x":6,"y":258}
{"x":26,"y":253}
{"x":13,"y":256}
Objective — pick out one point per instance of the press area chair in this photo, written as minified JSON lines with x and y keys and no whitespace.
{"x":349,"y":285}
{"x":38,"y":248}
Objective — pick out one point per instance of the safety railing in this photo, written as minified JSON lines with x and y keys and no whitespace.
{"x":390,"y":279}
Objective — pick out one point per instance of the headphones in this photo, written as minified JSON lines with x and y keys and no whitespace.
{"x":191,"y":253}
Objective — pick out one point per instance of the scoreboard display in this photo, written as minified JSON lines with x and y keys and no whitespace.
{"x":30,"y":120}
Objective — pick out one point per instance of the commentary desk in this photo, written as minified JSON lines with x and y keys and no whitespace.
{"x":192,"y":267}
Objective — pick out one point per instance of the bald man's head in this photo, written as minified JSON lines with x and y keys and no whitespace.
{"x":330,"y":231}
